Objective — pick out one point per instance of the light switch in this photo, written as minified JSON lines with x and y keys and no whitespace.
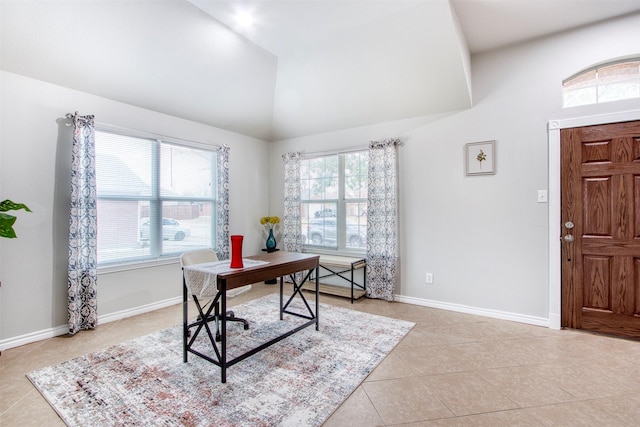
{"x":542,"y":196}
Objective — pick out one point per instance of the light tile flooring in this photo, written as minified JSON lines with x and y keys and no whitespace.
{"x":452,"y":369}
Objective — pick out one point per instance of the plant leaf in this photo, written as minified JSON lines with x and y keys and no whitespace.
{"x":6,"y":225}
{"x":8,"y":205}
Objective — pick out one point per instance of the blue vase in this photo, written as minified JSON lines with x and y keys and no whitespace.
{"x":271,"y":241}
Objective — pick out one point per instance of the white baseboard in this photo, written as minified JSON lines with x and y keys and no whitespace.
{"x":64,"y":329}
{"x":112,"y":317}
{"x":554,"y":321}
{"x":496,"y":314}
{"x":33,"y":337}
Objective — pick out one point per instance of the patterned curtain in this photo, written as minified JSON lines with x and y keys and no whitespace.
{"x":83,"y":228}
{"x":291,"y":235}
{"x":382,"y":253}
{"x":223,"y":202}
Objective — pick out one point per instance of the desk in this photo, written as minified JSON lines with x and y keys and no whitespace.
{"x":279,"y":264}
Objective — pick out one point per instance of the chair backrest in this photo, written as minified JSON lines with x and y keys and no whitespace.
{"x":198,"y":256}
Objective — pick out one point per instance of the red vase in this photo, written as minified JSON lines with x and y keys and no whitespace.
{"x":236,"y":251}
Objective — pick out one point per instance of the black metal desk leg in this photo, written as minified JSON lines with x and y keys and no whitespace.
{"x":351,"y":283}
{"x":317,"y":299}
{"x":185,"y":318}
{"x":223,"y":332}
{"x":281,"y":299}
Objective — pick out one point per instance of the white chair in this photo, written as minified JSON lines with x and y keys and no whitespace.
{"x":201,"y":256}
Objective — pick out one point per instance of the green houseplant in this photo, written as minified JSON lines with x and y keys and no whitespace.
{"x":6,"y":220}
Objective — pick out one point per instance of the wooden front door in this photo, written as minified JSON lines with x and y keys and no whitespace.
{"x":600,"y":199}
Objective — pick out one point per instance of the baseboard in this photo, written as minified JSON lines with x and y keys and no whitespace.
{"x":496,"y":314}
{"x":554,"y":321}
{"x":112,"y":317}
{"x":123,"y":314}
{"x":33,"y":337}
{"x":64,"y":329}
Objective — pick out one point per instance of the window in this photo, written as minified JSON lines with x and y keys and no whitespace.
{"x":155,"y":198}
{"x":334,"y":201}
{"x":609,"y":82}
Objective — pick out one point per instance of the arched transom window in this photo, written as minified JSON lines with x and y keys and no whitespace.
{"x":612,"y":81}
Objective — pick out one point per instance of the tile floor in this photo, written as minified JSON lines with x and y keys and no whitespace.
{"x":452,"y":369}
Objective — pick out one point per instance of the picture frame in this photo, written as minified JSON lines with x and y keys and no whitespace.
{"x":480,"y":158}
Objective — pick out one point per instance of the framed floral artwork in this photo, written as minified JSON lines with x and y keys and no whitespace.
{"x":480,"y":158}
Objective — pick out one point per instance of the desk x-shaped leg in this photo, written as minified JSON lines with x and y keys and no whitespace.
{"x":203,"y":321}
{"x":297,"y":290}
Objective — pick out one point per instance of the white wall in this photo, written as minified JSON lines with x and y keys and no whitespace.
{"x":484,"y":238}
{"x":35,"y":158}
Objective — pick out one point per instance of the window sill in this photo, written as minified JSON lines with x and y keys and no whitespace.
{"x":345,"y":253}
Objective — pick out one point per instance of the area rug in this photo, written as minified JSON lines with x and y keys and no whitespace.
{"x":300,"y":381}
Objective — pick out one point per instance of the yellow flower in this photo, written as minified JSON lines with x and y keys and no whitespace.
{"x":270,"y":220}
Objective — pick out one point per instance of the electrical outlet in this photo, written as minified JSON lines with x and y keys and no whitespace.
{"x":429,"y":278}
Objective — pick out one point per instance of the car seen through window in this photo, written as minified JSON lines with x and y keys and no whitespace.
{"x":171,"y":230}
{"x":323,"y":232}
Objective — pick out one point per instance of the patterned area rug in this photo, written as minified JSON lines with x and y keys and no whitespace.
{"x":299,"y":381}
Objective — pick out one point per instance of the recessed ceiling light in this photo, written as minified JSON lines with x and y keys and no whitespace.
{"x":244,"y":19}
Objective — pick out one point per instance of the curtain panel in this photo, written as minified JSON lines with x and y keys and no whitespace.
{"x":382,"y":219}
{"x":292,"y":235}
{"x":83,"y":228}
{"x":222,"y":207}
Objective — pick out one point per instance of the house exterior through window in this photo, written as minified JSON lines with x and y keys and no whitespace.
{"x":613,"y":81}
{"x":333,"y":201}
{"x":155,"y":198}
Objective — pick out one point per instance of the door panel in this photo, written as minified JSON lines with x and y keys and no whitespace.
{"x":636,"y":207}
{"x":600,"y":195}
{"x":597,"y":283}
{"x":597,"y":194}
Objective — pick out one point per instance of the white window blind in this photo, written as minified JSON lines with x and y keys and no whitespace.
{"x":156,"y":198}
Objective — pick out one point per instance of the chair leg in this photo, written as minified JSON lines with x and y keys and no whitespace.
{"x":231,"y":317}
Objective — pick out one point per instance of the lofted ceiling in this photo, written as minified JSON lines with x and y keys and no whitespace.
{"x":303,"y":67}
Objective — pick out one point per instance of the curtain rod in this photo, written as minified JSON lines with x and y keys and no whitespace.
{"x":344,"y":150}
{"x":150,"y":135}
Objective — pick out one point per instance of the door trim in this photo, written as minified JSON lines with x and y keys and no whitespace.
{"x":553,"y":128}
